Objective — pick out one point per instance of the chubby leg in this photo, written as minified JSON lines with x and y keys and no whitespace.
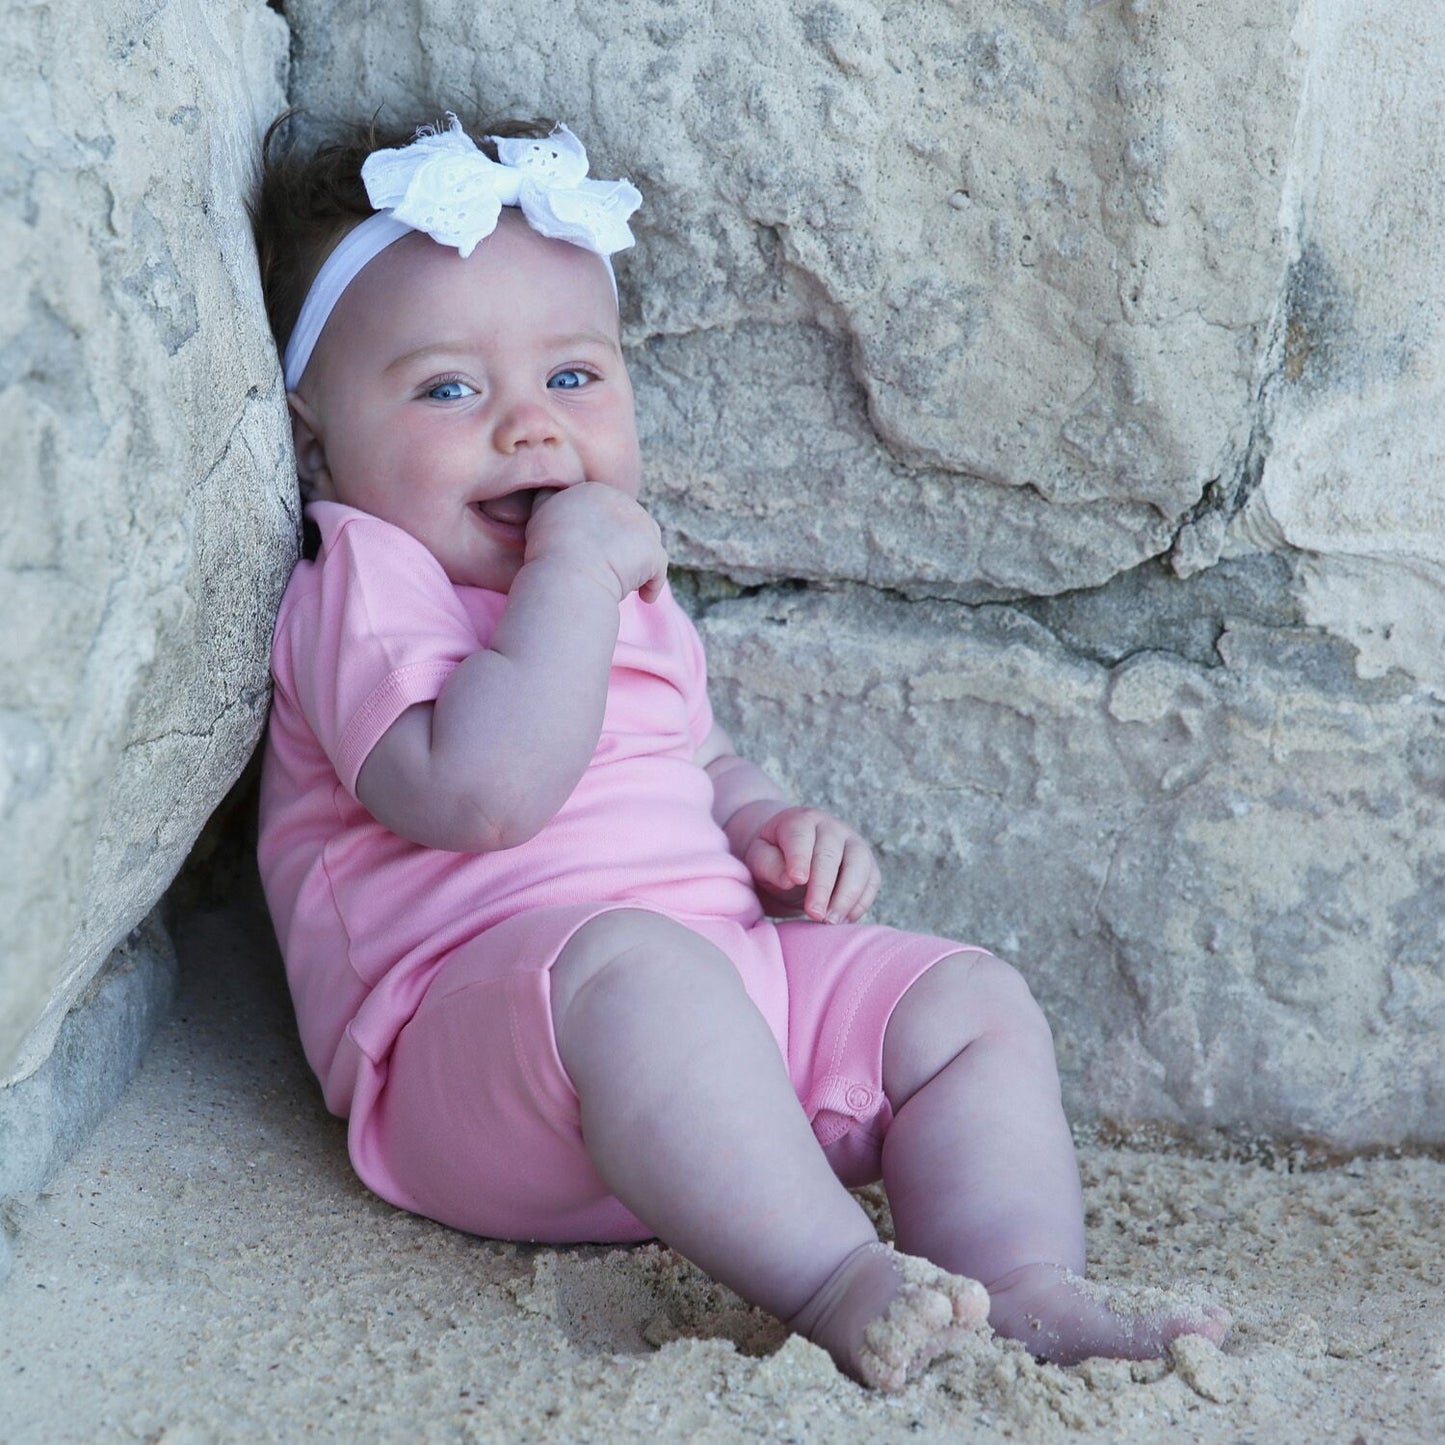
{"x":689,"y":1117}
{"x":980,"y":1170}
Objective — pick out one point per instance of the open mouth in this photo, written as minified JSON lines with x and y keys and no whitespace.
{"x":513,"y":511}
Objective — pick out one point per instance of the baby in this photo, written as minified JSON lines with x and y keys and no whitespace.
{"x":524,"y":886}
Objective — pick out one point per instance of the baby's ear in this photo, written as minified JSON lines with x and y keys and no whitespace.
{"x":311,"y":469}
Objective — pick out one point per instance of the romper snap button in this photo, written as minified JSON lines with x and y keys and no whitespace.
{"x":858,"y":1098}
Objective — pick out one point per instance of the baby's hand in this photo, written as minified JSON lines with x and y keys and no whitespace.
{"x":599,"y":528}
{"x":808,"y":859}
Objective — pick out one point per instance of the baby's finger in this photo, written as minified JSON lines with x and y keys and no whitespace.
{"x":796,"y":834}
{"x":765,"y":861}
{"x":827,"y":860}
{"x":651,"y":590}
{"x":868,"y":897}
{"x":857,"y":884}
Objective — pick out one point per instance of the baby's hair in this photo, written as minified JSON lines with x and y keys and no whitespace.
{"x":310,"y":194}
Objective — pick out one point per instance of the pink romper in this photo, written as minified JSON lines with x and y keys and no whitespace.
{"x":420,"y":977}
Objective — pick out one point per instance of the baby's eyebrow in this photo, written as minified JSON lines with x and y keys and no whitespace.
{"x":432,"y":348}
{"x":563,"y":341}
{"x":587,"y":337}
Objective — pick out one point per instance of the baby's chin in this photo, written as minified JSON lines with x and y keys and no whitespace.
{"x":495,"y":576}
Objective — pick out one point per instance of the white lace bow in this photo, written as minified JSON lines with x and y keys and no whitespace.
{"x":444,"y":185}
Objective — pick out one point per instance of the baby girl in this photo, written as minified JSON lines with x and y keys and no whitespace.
{"x":572,"y":968}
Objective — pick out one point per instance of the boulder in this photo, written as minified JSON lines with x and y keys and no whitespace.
{"x":1042,"y":406}
{"x":1028,"y":257}
{"x":151,"y":521}
{"x":1221,"y":868}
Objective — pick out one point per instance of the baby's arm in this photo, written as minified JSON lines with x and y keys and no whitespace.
{"x":496,"y":755}
{"x":799,"y":857}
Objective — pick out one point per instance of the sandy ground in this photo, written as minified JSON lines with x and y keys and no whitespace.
{"x":208,"y":1269}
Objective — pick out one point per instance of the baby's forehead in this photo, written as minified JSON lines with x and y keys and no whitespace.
{"x":511,"y":252}
{"x":514,"y":280}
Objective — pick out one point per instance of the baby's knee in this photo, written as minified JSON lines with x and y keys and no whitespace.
{"x":996,"y":994}
{"x":962,"y":1000}
{"x":991,"y":997}
{"x":626,"y":954}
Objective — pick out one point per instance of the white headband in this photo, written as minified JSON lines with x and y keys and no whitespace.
{"x":444,"y":185}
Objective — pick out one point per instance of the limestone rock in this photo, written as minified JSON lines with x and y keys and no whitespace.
{"x":1110,"y":335}
{"x":1355,"y":479}
{"x":98,"y":1047}
{"x":1200,"y":868}
{"x":150,"y":521}
{"x":1081,"y":360}
{"x":1031,"y":252}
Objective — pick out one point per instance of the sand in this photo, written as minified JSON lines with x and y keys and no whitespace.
{"x":207,"y":1268}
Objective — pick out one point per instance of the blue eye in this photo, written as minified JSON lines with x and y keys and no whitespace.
{"x":569,"y":380}
{"x":450,"y":390}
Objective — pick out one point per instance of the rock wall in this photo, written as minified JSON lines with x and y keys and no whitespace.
{"x":1046,"y":398}
{"x":149,"y":521}
{"x":1042,"y":405}
{"x":1354,"y":482}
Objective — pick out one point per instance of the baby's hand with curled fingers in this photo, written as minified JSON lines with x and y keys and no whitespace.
{"x":599,"y":528}
{"x":807,"y":858}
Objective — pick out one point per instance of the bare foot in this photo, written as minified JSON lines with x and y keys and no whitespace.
{"x":884,"y":1316}
{"x":1065,"y":1318}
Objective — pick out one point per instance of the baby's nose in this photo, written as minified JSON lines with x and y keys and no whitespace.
{"x":525,"y":423}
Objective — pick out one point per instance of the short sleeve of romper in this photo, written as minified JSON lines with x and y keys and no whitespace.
{"x":375,"y":627}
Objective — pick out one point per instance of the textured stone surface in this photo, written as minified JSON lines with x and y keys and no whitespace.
{"x":1226,"y":882}
{"x":1093,"y":347}
{"x":149,"y":515}
{"x":97,"y":1050}
{"x":1355,"y":479}
{"x":1031,"y":251}
{"x":1109,"y":335}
